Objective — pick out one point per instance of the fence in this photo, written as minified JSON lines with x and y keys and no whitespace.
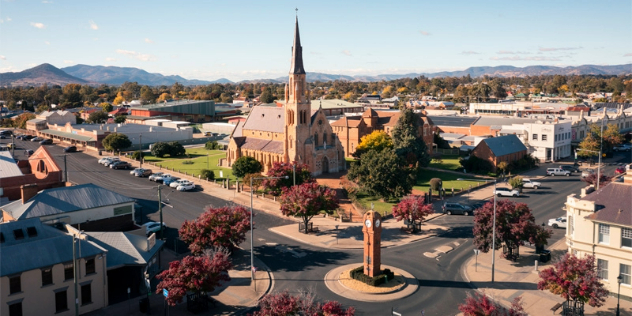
{"x":451,"y":151}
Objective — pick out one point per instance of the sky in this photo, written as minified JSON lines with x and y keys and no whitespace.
{"x":241,"y":40}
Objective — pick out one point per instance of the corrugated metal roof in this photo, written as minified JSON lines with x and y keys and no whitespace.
{"x":457,"y":121}
{"x":124,"y":248}
{"x":64,"y":200}
{"x":504,"y":145}
{"x":8,"y":167}
{"x":499,"y":121}
{"x":68,"y":135}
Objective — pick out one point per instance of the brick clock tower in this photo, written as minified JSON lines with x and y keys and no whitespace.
{"x":372,"y":230}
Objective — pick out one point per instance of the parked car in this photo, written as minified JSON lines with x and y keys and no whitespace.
{"x":208,"y":133}
{"x":35,"y":139}
{"x":587,"y":172}
{"x":457,"y":208}
{"x":28,"y":137}
{"x":619,"y":170}
{"x":153,"y":227}
{"x":557,"y":172}
{"x":102,"y":160}
{"x":169,"y":180}
{"x":155,"y":176}
{"x":557,"y":222}
{"x":476,"y":206}
{"x":3,"y":137}
{"x":120,"y":165}
{"x":529,"y":184}
{"x":160,"y":178}
{"x":186,"y":186}
{"x":47,"y":141}
{"x":506,"y":192}
{"x":621,"y":148}
{"x":570,"y":169}
{"x":70,"y":149}
{"x":6,"y":132}
{"x":176,"y":183}
{"x":107,"y":162}
{"x":140,"y":172}
{"x":11,"y":145}
{"x":28,"y":152}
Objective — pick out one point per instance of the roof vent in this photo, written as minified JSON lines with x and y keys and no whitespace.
{"x":279,"y":115}
{"x":263,"y":114}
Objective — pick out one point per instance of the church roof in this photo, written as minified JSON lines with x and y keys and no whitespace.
{"x":272,"y":146}
{"x":297,"y":53}
{"x":353,"y":121}
{"x":266,"y":119}
{"x":369,"y":113}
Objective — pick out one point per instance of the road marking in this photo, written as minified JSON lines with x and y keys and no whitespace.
{"x":271,"y":244}
{"x":295,"y":254}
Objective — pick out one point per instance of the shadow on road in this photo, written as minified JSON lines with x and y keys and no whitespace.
{"x":295,"y":258}
{"x":467,"y":285}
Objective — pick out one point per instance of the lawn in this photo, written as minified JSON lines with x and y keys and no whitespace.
{"x":449,"y":180}
{"x":384,"y":208}
{"x":448,"y":162}
{"x":201,"y":158}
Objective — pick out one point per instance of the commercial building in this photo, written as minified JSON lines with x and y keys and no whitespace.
{"x":194,"y":111}
{"x":40,"y":170}
{"x":500,"y":149}
{"x":600,"y":224}
{"x":546,"y":140}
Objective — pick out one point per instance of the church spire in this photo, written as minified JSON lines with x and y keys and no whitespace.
{"x":297,"y":54}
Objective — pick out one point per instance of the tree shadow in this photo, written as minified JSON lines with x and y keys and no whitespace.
{"x":469,"y":285}
{"x":296,"y":258}
{"x":454,"y":232}
{"x":539,"y":191}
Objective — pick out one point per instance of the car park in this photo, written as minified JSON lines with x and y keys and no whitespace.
{"x":120,"y":165}
{"x":457,"y":208}
{"x":141,"y":172}
{"x":530,"y":184}
{"x":569,"y":168}
{"x":28,"y":137}
{"x":155,"y":176}
{"x":587,"y":172}
{"x":506,"y":192}
{"x":169,"y":180}
{"x":558,"y":222}
{"x":186,"y":185}
{"x":70,"y":149}
{"x":153,"y":227}
{"x":557,"y":172}
{"x":47,"y":141}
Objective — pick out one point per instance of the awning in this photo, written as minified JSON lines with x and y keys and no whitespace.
{"x":68,"y":135}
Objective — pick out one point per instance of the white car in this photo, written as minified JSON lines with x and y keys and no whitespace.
{"x":153,"y":227}
{"x":162,"y":177}
{"x":506,"y":192}
{"x":558,"y":222}
{"x":107,"y":162}
{"x":155,"y":175}
{"x":176,"y":183}
{"x":527,"y":183}
{"x":102,"y":160}
{"x":186,"y":186}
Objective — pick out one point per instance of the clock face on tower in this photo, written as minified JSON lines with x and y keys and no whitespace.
{"x":367,"y":223}
{"x":377,"y":223}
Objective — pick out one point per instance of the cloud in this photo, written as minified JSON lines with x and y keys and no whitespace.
{"x":531,"y":58}
{"x":110,"y":59}
{"x":510,"y":52}
{"x":68,"y":62}
{"x":9,"y":19}
{"x":223,"y":64}
{"x":346,"y":52}
{"x":3,"y":57}
{"x":628,"y":55}
{"x":424,"y":33}
{"x":554,"y":49}
{"x":136,"y":55}
{"x":469,"y":52}
{"x":93,"y":25}
{"x":47,"y":42}
{"x":148,"y":41}
{"x":47,"y":1}
{"x":38,"y":25}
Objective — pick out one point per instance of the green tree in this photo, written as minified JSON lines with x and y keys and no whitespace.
{"x":98,"y":117}
{"x":383,"y":174}
{"x":407,"y":141}
{"x":20,"y":122}
{"x":245,"y":165}
{"x":116,"y":142}
{"x":516,"y":182}
{"x":107,"y":107}
{"x":176,"y":149}
{"x":119,"y":119}
{"x":266,"y":96}
{"x":160,"y":149}
{"x":589,"y":146}
{"x":377,"y":140}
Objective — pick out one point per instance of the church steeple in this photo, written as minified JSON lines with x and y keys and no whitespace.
{"x":297,"y":54}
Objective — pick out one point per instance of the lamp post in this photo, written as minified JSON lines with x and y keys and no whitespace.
{"x":619,"y":281}
{"x":494,"y":235}
{"x":598,"y":164}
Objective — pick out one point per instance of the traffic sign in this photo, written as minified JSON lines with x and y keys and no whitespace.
{"x":165,"y":293}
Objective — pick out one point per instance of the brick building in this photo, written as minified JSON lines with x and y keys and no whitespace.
{"x":498,"y":149}
{"x":40,"y":169}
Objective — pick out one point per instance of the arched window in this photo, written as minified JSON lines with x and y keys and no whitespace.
{"x":324,"y":137}
{"x":333,"y":138}
{"x":315,"y":140}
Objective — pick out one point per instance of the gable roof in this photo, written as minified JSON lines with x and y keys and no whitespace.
{"x":64,"y":200}
{"x":266,"y":119}
{"x":612,"y":204}
{"x":504,"y":145}
{"x":125,"y":248}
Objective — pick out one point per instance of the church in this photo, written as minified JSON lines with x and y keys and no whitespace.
{"x":293,"y":132}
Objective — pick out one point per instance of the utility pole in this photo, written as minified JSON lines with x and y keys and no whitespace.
{"x":76,"y":270}
{"x":160,"y":210}
{"x":13,"y":144}
{"x":140,"y":149}
{"x":294,"y":172}
{"x":600,"y":150}
{"x":65,"y":169}
{"x":494,"y":235}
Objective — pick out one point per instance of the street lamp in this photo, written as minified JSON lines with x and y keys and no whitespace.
{"x":619,"y":280}
{"x":494,"y":235}
{"x":598,"y":164}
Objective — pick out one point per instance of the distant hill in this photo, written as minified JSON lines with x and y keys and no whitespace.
{"x":39,"y":75}
{"x":118,"y":75}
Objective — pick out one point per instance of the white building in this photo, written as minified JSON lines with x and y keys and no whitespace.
{"x":57,"y":117}
{"x":546,"y":140}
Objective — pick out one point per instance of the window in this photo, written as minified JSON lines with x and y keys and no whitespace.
{"x":556,"y":137}
{"x":572,"y":224}
{"x":581,"y":134}
{"x":333,"y":138}
{"x":15,"y":309}
{"x":15,"y":285}
{"x":90,"y":266}
{"x":1,"y":237}
{"x":626,"y":237}
{"x":604,"y":234}
{"x":86,"y":294}
{"x":602,"y":269}
{"x":535,"y":136}
{"x":61,"y":301}
{"x":626,"y":273}
{"x":19,"y":234}
{"x":543,"y":136}
{"x":315,"y":140}
{"x":47,"y":276}
{"x":31,"y":231}
{"x":69,"y":272}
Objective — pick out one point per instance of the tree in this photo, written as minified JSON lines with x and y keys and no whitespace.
{"x":20,"y":122}
{"x":266,"y":96}
{"x":307,"y":200}
{"x":483,"y":305}
{"x":116,"y":142}
{"x":589,"y":146}
{"x":256,"y":183}
{"x":516,"y":182}
{"x":574,"y":279}
{"x":199,"y":274}
{"x":407,"y":141}
{"x":160,"y":149}
{"x":285,"y":174}
{"x":284,"y":304}
{"x":207,"y":174}
{"x":211,"y":145}
{"x":474,"y":164}
{"x":514,"y":224}
{"x":98,"y":117}
{"x":383,"y":174}
{"x":224,"y":227}
{"x":377,"y":140}
{"x":436,"y":184}
{"x":592,"y":179}
{"x":245,"y":165}
{"x":119,"y":119}
{"x":106,"y":107}
{"x":412,"y":208}
{"x":441,"y":143}
{"x":176,"y":149}
{"x":503,"y":167}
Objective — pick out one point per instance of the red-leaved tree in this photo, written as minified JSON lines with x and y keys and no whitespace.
{"x":223,"y":227}
{"x":514,"y":224}
{"x":482,"y":305}
{"x":592,"y":179}
{"x":307,"y":200}
{"x":574,"y":279}
{"x":198,"y":274}
{"x":284,"y":304}
{"x":285,"y":174}
{"x":412,"y":208}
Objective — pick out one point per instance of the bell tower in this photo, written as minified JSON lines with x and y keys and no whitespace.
{"x":298,"y":109}
{"x":372,"y":230}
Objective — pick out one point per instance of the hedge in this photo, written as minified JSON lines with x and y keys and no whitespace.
{"x":358,"y":274}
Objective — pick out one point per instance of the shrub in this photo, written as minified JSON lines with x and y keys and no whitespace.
{"x":137,"y":155}
{"x":515,"y":182}
{"x":474,"y":164}
{"x":176,"y":149}
{"x":245,"y":165}
{"x":211,"y":145}
{"x":207,"y":174}
{"x":188,"y":162}
{"x":160,"y":149}
{"x":358,"y":274}
{"x":255,"y":183}
{"x":436,"y":184}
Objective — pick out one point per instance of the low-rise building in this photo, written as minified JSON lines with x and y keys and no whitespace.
{"x":546,"y":140}
{"x":600,"y":224}
{"x":40,"y":170}
{"x":193,"y":111}
{"x":498,"y":149}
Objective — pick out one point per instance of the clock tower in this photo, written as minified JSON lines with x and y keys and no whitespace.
{"x":372,"y":230}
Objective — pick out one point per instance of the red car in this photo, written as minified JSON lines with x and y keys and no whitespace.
{"x":619,"y":170}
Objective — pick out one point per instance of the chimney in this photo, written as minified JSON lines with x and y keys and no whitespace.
{"x":28,"y":191}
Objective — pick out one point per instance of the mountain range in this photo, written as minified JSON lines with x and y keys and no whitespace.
{"x":85,"y":74}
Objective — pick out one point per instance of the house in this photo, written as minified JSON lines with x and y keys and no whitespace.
{"x":85,"y":114}
{"x":600,"y":224}
{"x":37,"y":271}
{"x":498,"y":149}
{"x":120,"y":111}
{"x":88,"y":206}
{"x":371,"y":99}
{"x":40,"y":169}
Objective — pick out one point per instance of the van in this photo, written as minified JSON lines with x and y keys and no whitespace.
{"x":557,"y":172}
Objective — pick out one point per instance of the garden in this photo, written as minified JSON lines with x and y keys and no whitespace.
{"x":193,"y":162}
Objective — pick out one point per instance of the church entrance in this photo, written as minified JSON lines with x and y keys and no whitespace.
{"x":325,"y":164}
